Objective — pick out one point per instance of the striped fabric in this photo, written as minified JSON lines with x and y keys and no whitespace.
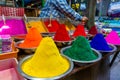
{"x":60,"y":9}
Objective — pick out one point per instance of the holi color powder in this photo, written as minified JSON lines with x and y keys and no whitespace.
{"x":47,"y":61}
{"x":113,"y":38}
{"x":62,"y":34}
{"x":80,"y":50}
{"x":32,"y":39}
{"x":80,"y":31}
{"x":39,"y":25}
{"x":17,"y":27}
{"x":93,"y":30}
{"x":99,"y":43}
{"x":54,"y":25}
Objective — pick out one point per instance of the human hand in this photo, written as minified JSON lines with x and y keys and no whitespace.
{"x":84,"y":20}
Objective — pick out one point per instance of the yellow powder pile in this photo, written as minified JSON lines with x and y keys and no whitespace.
{"x":39,"y":25}
{"x":47,"y":61}
{"x":72,"y":27}
{"x":32,"y":39}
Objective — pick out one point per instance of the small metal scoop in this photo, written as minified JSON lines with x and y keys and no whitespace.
{"x":4,"y":26}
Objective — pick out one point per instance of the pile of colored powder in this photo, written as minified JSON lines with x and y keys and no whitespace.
{"x":54,"y":25}
{"x":39,"y":25}
{"x":69,"y":26}
{"x":113,"y":38}
{"x":32,"y":39}
{"x":99,"y":43}
{"x":62,"y":34}
{"x":80,"y":31}
{"x":47,"y":61}
{"x":93,"y":30}
{"x":80,"y":50}
{"x":16,"y":27}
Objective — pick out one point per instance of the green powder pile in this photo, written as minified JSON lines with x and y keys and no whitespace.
{"x":80,"y":50}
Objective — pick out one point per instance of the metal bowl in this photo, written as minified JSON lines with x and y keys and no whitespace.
{"x":36,"y":78}
{"x":26,"y":50}
{"x":84,"y":62}
{"x":50,"y":34}
{"x":19,"y":42}
{"x":63,"y":43}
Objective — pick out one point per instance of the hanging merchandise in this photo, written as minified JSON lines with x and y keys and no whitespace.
{"x":75,"y":5}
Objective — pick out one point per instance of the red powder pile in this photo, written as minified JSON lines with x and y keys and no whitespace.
{"x":54,"y":25}
{"x":80,"y":31}
{"x":32,"y":39}
{"x":62,"y":34}
{"x":93,"y":30}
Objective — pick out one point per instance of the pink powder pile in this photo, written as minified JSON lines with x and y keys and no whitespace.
{"x":113,"y":38}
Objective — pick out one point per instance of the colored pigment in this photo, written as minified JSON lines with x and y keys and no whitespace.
{"x":47,"y":61}
{"x":39,"y":25}
{"x":99,"y":43}
{"x":80,"y":50}
{"x":54,"y":25}
{"x":17,"y":27}
{"x":93,"y":30}
{"x":62,"y":34}
{"x":80,"y":31}
{"x":69,"y":26}
{"x":32,"y":39}
{"x":113,"y":38}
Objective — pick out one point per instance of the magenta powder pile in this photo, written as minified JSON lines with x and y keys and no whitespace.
{"x":17,"y":27}
{"x":113,"y":38}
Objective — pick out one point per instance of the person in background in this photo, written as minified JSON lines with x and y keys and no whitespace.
{"x":60,"y":9}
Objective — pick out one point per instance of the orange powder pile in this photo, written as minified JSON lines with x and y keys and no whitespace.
{"x":32,"y":39}
{"x":46,"y":62}
{"x":39,"y":25}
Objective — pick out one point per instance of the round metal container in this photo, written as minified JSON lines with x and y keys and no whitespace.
{"x":19,"y":42}
{"x":50,"y":34}
{"x":36,"y":78}
{"x":26,"y":50}
{"x":83,"y":62}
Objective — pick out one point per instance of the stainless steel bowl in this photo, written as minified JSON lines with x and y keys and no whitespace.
{"x":84,"y":62}
{"x":26,"y":50}
{"x":19,"y":42}
{"x":50,"y":34}
{"x":36,"y":78}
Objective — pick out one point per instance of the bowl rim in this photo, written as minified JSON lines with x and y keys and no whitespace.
{"x":37,"y":78}
{"x":80,"y":61}
{"x":18,"y":42}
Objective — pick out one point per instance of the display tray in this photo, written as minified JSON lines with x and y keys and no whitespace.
{"x":20,"y":37}
{"x":12,"y":54}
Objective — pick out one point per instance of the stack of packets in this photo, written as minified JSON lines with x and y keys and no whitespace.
{"x":5,"y":43}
